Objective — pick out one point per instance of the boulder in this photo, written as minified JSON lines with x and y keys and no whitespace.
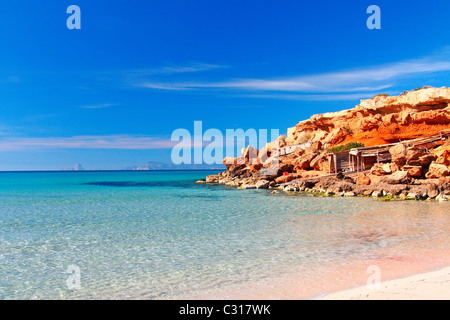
{"x":398,"y":154}
{"x":262,"y":184}
{"x":377,"y":193}
{"x":269,"y":173}
{"x":381,"y":169}
{"x":343,"y":186}
{"x":250,"y":154}
{"x":290,"y":188}
{"x":213,"y":179}
{"x":264,"y":154}
{"x":241,"y":160}
{"x":236,"y":167}
{"x":387,"y":168}
{"x":303,"y":161}
{"x":362,"y":180}
{"x":413,"y":195}
{"x":324,"y":165}
{"x":247,"y":186}
{"x":235,"y":171}
{"x":289,"y":159}
{"x":233,"y":183}
{"x":399,"y":177}
{"x":414,"y":171}
{"x":229,"y":161}
{"x":286,"y":167}
{"x":273,"y":160}
{"x":302,"y":164}
{"x":375,"y":179}
{"x":443,"y":183}
{"x":327,"y":183}
{"x":287,"y":178}
{"x":246,"y":173}
{"x":419,"y":157}
{"x":395,"y":189}
{"x":378,"y":170}
{"x":393,"y":167}
{"x":444,"y":158}
{"x":255,"y":167}
{"x":433,"y":190}
{"x":437,"y":171}
{"x":319,"y":162}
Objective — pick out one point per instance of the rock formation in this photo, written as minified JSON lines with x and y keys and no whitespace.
{"x":412,"y":171}
{"x":380,"y":120}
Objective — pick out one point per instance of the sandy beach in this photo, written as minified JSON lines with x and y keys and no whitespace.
{"x":433,"y":285}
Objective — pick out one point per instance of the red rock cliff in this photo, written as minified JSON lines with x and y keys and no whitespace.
{"x":379,"y":120}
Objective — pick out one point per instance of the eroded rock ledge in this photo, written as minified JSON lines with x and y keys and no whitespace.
{"x":379,"y":120}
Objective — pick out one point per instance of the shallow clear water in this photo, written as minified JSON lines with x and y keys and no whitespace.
{"x":158,"y":235}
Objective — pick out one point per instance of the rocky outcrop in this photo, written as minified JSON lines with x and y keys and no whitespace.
{"x":419,"y":157}
{"x":437,"y":171}
{"x":363,"y":180}
{"x":414,"y":171}
{"x":398,"y":177}
{"x":443,"y":155}
{"x":262,"y":184}
{"x":381,"y":169}
{"x":380,"y":120}
{"x":398,"y":154}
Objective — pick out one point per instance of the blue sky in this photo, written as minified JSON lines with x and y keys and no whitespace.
{"x":111,"y":94}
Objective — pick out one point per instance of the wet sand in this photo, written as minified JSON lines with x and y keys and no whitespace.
{"x":433,"y":285}
{"x":401,"y":277}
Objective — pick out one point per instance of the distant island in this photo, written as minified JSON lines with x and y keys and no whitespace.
{"x":77,"y":167}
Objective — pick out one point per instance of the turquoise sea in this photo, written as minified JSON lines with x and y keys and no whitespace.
{"x":158,"y":235}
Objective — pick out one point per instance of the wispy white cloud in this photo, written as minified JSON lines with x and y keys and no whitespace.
{"x":134,"y":77}
{"x":188,"y":68}
{"x":311,"y":97}
{"x":120,"y":142}
{"x":331,"y":85}
{"x":166,"y":86}
{"x":171,"y":69}
{"x":114,"y":142}
{"x":98,"y":106}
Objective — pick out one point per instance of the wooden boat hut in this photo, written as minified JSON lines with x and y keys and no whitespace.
{"x":363,"y":158}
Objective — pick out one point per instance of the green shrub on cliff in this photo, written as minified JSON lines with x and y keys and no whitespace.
{"x":424,"y":87}
{"x":346,"y":147}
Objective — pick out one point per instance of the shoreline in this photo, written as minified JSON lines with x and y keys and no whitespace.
{"x":431,"y":285}
{"x":407,"y":272}
{"x":348,"y":185}
{"x":385,"y":147}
